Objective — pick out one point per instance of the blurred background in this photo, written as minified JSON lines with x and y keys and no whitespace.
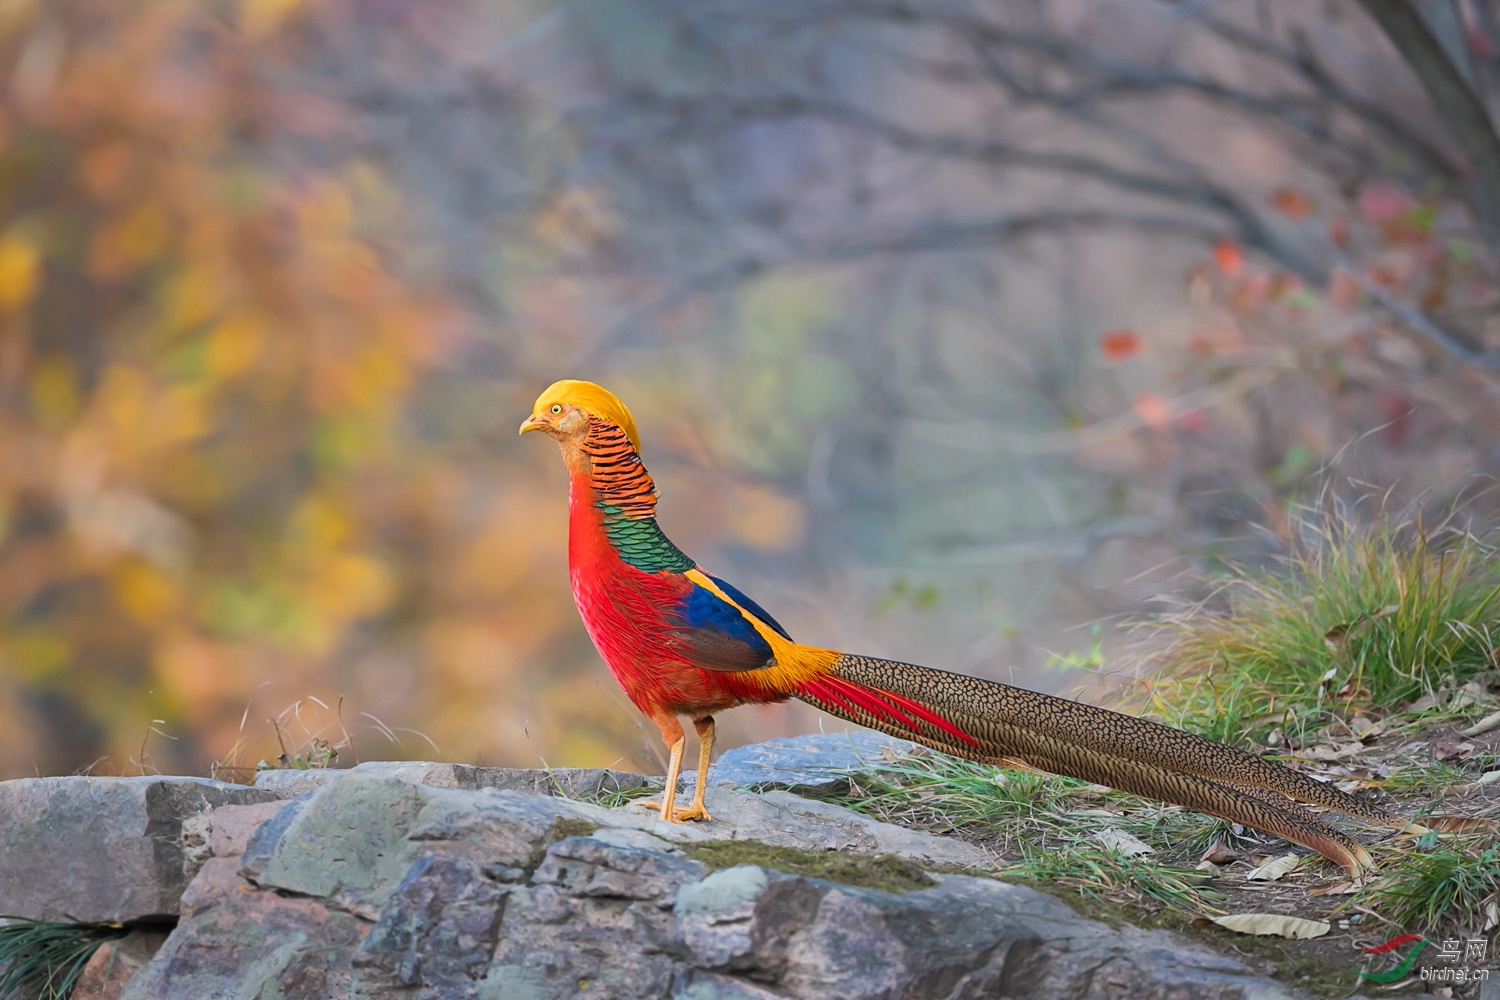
{"x":957,"y":332}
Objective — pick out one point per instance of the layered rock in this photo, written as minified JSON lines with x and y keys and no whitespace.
{"x":106,"y":850}
{"x":371,"y":884}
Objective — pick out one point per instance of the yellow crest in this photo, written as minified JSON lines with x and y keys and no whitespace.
{"x":593,"y":399}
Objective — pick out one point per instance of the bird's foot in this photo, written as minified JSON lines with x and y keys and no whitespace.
{"x":679,"y":813}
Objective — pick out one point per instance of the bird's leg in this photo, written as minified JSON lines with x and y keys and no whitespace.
{"x":697,"y":810}
{"x":676,"y":739}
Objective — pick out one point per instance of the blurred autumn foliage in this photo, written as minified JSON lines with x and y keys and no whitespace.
{"x":948,"y":326}
{"x":204,"y":367}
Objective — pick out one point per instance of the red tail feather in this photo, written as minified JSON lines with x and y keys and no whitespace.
{"x":885,"y":705}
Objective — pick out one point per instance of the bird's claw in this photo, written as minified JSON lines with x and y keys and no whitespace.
{"x":679,"y":813}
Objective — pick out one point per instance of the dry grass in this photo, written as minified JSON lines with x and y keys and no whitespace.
{"x":1357,"y":619}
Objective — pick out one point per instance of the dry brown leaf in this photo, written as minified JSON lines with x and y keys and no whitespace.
{"x":1273,"y":869}
{"x":1278,"y":924}
{"x":1483,"y":726}
{"x":1123,"y":843}
{"x":1458,"y":824}
{"x":1334,"y":888}
{"x":1332,"y":751}
{"x":1443,"y":750}
{"x":1220,"y":853}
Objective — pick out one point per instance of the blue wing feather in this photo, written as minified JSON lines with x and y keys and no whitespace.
{"x":750,"y":606}
{"x":716,"y":634}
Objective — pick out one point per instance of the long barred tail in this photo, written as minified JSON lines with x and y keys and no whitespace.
{"x":984,"y":720}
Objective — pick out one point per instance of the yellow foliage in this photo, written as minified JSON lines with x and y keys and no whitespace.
{"x":20,"y":271}
{"x":259,"y":18}
{"x":376,"y":378}
{"x":142,"y":236}
{"x":54,"y":391}
{"x":192,"y":297}
{"x":145,"y":591}
{"x":347,"y":586}
{"x":211,"y":473}
{"x":321,"y":523}
{"x":36,"y":653}
{"x":234,"y":346}
{"x":121,"y":400}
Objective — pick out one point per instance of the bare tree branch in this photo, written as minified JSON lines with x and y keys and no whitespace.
{"x":1451,"y":95}
{"x":1413,"y":317}
{"x":936,"y":238}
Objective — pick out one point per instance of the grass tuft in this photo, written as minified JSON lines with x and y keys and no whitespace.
{"x":1104,"y":876}
{"x":1358,"y":619}
{"x":1444,"y":891}
{"x":1044,"y":826}
{"x":42,"y":960}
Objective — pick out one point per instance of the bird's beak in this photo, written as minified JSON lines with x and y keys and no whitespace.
{"x":532,"y":423}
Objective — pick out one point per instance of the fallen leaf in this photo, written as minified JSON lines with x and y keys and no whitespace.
{"x":1276,"y":924}
{"x":1458,"y":824}
{"x":1213,"y":870}
{"x":1273,"y":869}
{"x":1122,"y":843}
{"x":1472,"y":693}
{"x":1483,"y":726}
{"x":1443,"y":750}
{"x":1343,"y":888}
{"x":1332,"y":751}
{"x":1489,"y":777}
{"x":1424,"y":703}
{"x":1220,"y":853}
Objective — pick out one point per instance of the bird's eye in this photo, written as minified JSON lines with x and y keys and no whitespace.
{"x":556,"y":407}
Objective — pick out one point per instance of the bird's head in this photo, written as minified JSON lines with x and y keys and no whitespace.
{"x":563,"y":410}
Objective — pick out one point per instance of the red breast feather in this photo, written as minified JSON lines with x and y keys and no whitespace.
{"x":623,"y":610}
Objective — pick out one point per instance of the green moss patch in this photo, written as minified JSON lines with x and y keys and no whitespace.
{"x":885,"y":872}
{"x":570,"y":826}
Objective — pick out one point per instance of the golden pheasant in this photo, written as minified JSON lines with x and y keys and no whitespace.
{"x":682,"y":642}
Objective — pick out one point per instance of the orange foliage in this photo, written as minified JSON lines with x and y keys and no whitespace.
{"x":205,"y":367}
{"x":1229,"y":257}
{"x":1117,"y":345}
{"x":1291,"y":202}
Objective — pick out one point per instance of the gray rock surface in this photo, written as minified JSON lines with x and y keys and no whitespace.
{"x":777,"y":817}
{"x":816,"y":764}
{"x":105,"y":850}
{"x":571,"y":782}
{"x":378,"y":887}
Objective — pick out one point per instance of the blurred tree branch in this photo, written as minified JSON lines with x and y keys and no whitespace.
{"x":1452,"y":96}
